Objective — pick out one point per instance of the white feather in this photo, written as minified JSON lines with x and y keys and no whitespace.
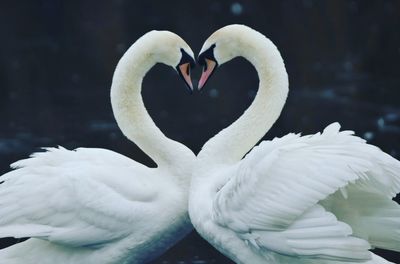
{"x":324,"y":198}
{"x":95,"y":205}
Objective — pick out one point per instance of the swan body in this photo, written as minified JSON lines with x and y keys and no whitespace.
{"x":94,"y":205}
{"x":323,"y":198}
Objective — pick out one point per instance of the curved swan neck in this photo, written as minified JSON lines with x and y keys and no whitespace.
{"x":131,"y":114}
{"x":233,"y":142}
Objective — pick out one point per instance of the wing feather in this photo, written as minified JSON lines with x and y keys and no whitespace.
{"x":373,"y":216}
{"x":280,"y":180}
{"x":315,"y":234}
{"x":68,"y":197}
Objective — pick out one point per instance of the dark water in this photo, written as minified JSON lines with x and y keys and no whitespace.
{"x":57,"y":60}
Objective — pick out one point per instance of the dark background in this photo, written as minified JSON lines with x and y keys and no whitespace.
{"x":57,"y":59}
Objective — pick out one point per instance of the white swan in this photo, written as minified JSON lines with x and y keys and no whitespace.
{"x":323,"y":198}
{"x":97,"y":206}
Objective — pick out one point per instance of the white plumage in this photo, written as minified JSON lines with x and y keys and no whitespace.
{"x":277,"y":186}
{"x":95,"y":205}
{"x":323,"y":198}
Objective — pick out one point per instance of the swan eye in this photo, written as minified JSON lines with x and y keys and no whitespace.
{"x":208,"y":54}
{"x":186,"y":58}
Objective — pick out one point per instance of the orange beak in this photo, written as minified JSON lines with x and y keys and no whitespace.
{"x":185,"y":73}
{"x":207,"y":72}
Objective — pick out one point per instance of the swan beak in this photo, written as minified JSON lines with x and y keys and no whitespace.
{"x":207,"y":72}
{"x":184,"y":72}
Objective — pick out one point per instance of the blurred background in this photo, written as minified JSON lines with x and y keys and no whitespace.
{"x":57,"y":59}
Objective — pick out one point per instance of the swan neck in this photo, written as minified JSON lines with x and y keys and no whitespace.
{"x":132,"y":116}
{"x":233,"y":142}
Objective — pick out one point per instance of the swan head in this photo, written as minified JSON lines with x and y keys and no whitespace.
{"x":168,"y":48}
{"x":222,"y":46}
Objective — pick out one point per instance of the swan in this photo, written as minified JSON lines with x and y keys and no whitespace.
{"x":94,"y":205}
{"x":323,"y":198}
